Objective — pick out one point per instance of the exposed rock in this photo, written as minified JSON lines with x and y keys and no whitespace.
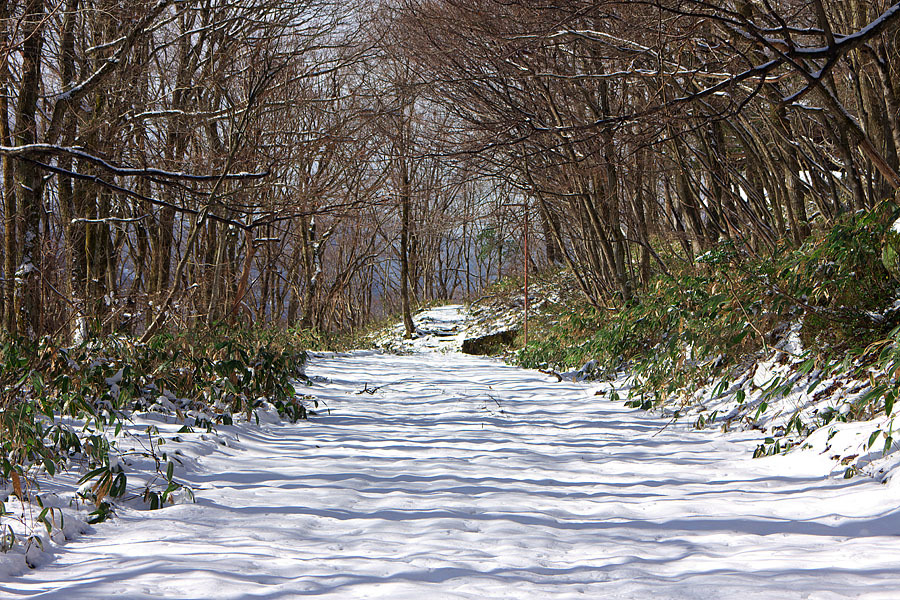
{"x":492,"y":343}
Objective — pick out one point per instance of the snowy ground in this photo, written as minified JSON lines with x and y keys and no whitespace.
{"x":439,"y":329}
{"x":439,"y":475}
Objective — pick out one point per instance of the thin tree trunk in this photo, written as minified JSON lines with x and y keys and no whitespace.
{"x":28,"y":177}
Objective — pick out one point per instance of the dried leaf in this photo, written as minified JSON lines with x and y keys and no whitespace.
{"x":17,"y":485}
{"x":101,"y":489}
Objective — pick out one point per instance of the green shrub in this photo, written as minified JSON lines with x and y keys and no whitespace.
{"x":203,"y":378}
{"x":689,"y":327}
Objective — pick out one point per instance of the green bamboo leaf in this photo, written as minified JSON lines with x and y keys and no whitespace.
{"x":872,"y":438}
{"x":91,"y":474}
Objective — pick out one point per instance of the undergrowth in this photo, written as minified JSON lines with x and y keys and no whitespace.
{"x":705,"y":320}
{"x":63,"y":407}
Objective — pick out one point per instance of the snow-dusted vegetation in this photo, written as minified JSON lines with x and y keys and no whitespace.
{"x":432,"y":472}
{"x":627,"y":276}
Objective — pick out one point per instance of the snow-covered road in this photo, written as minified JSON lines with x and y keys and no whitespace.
{"x":448,"y":476}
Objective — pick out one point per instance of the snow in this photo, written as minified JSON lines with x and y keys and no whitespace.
{"x":896,"y":226}
{"x":439,"y":329}
{"x":439,"y":475}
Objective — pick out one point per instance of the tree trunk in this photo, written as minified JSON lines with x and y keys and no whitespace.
{"x":28,"y":176}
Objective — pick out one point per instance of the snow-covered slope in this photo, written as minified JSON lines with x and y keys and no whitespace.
{"x":445,"y":328}
{"x":438,"y":329}
{"x":440,"y":475}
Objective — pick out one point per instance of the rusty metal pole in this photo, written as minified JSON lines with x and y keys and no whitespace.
{"x":525,"y":204}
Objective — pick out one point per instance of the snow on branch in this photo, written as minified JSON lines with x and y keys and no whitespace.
{"x":31,"y":150}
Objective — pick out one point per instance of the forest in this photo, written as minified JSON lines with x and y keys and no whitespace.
{"x":319,"y":164}
{"x":249,"y":247}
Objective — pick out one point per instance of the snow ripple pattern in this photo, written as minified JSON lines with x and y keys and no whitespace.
{"x":448,"y":476}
